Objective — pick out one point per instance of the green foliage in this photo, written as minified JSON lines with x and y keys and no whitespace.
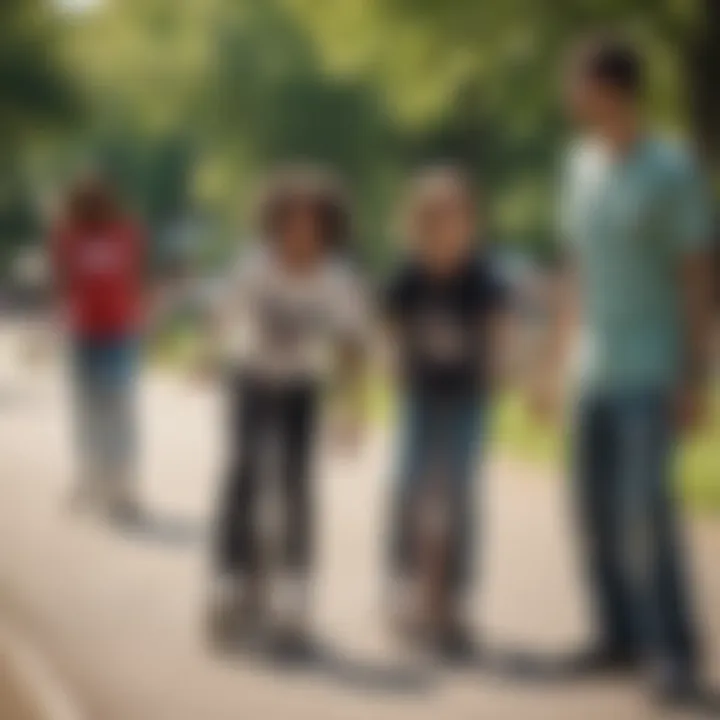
{"x":187,"y":101}
{"x":34,"y":89}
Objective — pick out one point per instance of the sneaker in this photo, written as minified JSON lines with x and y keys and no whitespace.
{"x":233,"y":607}
{"x":125,"y":511}
{"x":291,"y":614}
{"x":601,"y":660}
{"x":455,"y":642}
{"x":291,"y":600}
{"x":401,"y":609}
{"x":675,"y":684}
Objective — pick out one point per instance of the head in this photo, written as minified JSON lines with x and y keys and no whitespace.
{"x":305,"y":214}
{"x":91,"y":200}
{"x":605,"y":82}
{"x":440,"y":218}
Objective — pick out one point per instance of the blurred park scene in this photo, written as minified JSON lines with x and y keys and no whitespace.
{"x":186,"y":104}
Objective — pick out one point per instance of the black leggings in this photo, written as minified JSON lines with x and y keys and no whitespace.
{"x":289,"y":413}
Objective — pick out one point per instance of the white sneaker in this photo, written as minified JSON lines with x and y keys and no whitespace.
{"x":291,"y":608}
{"x":233,"y":605}
{"x":402,"y":607}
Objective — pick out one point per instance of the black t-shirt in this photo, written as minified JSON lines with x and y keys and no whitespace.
{"x":441,"y":324}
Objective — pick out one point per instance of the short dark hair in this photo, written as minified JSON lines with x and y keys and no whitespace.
{"x":295,"y":186}
{"x":612,"y":61}
{"x":91,"y":197}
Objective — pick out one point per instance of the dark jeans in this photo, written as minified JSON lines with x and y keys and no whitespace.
{"x":623,"y":454}
{"x":440,"y":434}
{"x":289,"y":414}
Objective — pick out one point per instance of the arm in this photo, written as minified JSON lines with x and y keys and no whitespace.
{"x":352,"y":364}
{"x":562,"y":302}
{"x":692,"y":227}
{"x":499,"y":326}
{"x":696,"y":281}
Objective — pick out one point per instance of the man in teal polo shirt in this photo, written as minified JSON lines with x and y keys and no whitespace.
{"x":635,"y":223}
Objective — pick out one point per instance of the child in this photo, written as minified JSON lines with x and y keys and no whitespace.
{"x":443,"y":305}
{"x":98,"y":261}
{"x":289,"y":305}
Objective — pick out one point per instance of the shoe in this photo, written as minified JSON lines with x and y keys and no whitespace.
{"x":455,"y":642}
{"x":601,"y":660}
{"x":292,"y":641}
{"x":125,"y":511}
{"x":675,"y":684}
{"x":233,"y":608}
{"x":401,"y":609}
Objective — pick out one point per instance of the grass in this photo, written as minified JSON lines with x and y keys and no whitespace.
{"x":517,"y":433}
{"x":698,"y":462}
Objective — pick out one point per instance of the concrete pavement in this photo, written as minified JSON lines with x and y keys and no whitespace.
{"x":120,"y":616}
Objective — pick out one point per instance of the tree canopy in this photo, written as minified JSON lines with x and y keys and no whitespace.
{"x":186,"y":101}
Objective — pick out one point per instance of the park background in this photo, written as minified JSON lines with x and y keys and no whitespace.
{"x":187,"y":102}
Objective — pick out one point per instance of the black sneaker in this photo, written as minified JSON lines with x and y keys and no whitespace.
{"x":292,"y":643}
{"x":676,"y":684}
{"x":600,"y":660}
{"x":456,"y":643}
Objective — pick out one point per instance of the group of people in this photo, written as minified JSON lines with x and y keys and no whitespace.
{"x":634,"y":289}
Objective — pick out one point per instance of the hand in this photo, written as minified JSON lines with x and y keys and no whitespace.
{"x":205,"y":372}
{"x":347,"y":434}
{"x":544,"y":402}
{"x":691,"y":410}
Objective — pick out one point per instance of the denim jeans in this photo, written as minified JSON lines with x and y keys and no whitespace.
{"x":439,"y":441}
{"x":289,"y":414}
{"x":104,"y":373}
{"x":623,"y":449}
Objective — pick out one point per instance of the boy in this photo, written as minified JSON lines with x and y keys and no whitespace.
{"x":444,"y":307}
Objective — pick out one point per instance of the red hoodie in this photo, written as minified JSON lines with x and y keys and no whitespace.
{"x":100,"y":271}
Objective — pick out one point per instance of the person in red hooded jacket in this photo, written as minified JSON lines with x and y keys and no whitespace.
{"x":98,"y":261}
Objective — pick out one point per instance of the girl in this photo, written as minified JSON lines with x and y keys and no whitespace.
{"x":443,"y":305}
{"x":288,"y":306}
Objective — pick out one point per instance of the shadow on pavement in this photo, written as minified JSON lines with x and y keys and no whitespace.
{"x":169,"y":530}
{"x":359,"y":674}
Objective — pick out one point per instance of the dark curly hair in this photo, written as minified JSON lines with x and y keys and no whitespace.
{"x":296,"y":187}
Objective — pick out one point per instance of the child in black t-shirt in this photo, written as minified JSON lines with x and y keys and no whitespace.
{"x":443,"y":305}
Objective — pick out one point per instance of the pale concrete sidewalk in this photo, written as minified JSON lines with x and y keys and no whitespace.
{"x":14,"y":701}
{"x":120,"y":616}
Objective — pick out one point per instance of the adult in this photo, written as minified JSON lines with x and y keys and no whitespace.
{"x":636,"y":227}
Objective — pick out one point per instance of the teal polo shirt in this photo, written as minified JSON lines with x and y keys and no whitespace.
{"x":628,"y":221}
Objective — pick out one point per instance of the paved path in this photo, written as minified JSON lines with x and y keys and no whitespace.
{"x":119,"y":617}
{"x":15,"y":703}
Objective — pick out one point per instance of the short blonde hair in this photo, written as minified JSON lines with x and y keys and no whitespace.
{"x":427,"y":185}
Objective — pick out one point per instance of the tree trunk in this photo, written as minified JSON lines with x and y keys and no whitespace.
{"x":703,"y":65}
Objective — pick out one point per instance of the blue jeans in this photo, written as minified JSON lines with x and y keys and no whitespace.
{"x":440,"y":438}
{"x":623,"y":458}
{"x":104,"y":373}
